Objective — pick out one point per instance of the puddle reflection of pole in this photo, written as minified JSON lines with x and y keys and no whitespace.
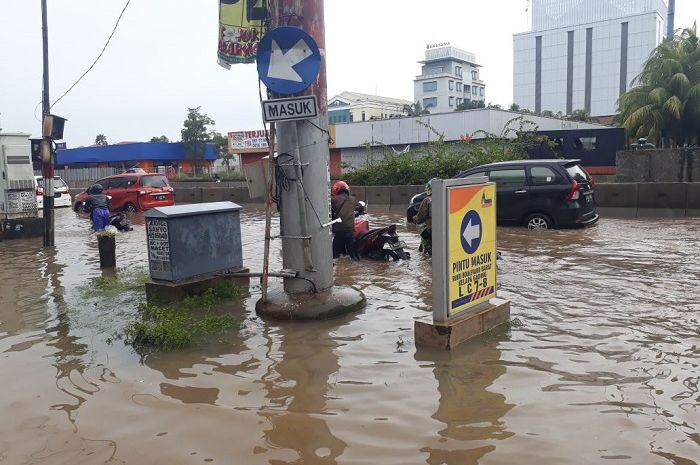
{"x":69,"y":353}
{"x":470,"y":412}
{"x":297,"y":387}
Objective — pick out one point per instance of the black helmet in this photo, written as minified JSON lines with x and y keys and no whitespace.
{"x":96,"y":189}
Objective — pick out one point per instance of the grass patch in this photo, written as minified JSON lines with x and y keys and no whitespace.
{"x":111,"y":285}
{"x":175,"y":326}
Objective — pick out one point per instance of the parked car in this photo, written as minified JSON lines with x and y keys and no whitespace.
{"x":133,"y":192}
{"x":539,"y":194}
{"x":61,"y":192}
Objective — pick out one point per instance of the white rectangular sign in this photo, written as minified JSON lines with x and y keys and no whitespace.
{"x":290,"y":109}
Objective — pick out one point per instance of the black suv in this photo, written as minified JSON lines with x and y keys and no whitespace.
{"x":539,"y":194}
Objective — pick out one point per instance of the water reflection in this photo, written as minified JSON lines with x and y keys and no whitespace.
{"x":471,"y":413}
{"x":297,"y":387}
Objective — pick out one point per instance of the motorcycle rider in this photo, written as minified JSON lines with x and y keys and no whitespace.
{"x":425,"y":215}
{"x":343,"y":207}
{"x":97,"y":204}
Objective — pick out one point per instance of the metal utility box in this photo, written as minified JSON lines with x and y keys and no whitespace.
{"x":17,"y":194}
{"x":185,"y":241}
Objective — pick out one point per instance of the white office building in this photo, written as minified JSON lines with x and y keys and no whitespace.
{"x":584,"y":54}
{"x":449,"y":76}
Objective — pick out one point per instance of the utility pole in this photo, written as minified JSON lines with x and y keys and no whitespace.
{"x":671,"y":31}
{"x":304,"y":156}
{"x":47,"y":165}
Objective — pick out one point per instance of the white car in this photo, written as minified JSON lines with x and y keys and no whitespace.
{"x":61,"y":196}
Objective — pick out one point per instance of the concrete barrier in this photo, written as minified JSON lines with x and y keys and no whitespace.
{"x":692,"y":201}
{"x":619,"y":195}
{"x":213,"y":194}
{"x":240,"y":195}
{"x":359,"y":192}
{"x":401,"y":195}
{"x":662,"y":199}
{"x":188,"y":195}
{"x":380,"y":195}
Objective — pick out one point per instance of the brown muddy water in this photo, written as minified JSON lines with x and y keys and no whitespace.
{"x":604,"y":368}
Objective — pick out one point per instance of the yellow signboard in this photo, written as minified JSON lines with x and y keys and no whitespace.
{"x":471,"y":249}
{"x":241,"y":24}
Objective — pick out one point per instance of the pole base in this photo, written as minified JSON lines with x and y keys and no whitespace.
{"x":450,"y":334}
{"x":333,"y":302}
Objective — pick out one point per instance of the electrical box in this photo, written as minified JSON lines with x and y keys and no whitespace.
{"x":187,"y":241}
{"x":17,"y":193}
{"x":257,"y":175}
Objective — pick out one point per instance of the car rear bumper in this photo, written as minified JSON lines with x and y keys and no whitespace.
{"x":58,"y":202}
{"x":146,"y":202}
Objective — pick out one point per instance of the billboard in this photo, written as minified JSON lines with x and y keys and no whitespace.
{"x":241,"y":24}
{"x":248,"y":141}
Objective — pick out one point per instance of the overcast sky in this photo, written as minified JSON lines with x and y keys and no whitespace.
{"x":162,"y":59}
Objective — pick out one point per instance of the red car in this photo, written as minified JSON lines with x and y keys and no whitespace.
{"x":133,"y":192}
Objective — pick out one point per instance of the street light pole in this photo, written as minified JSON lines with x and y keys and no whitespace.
{"x":47,"y":166}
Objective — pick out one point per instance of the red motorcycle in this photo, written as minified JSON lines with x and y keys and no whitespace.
{"x":379,"y":243}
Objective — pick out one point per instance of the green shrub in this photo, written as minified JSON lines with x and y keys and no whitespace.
{"x":439,"y":159}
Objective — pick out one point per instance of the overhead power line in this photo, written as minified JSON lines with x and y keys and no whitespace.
{"x":109,"y":39}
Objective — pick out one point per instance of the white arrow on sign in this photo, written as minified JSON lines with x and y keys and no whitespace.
{"x":471,"y":233}
{"x":281,"y":64}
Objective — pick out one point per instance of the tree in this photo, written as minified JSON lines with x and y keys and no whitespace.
{"x":195,"y":135}
{"x":514,"y":107}
{"x":548,"y":114}
{"x":101,"y":139}
{"x":580,"y":115}
{"x":159,"y":139}
{"x":415,"y":110}
{"x":470,"y":105}
{"x":664,"y":103}
{"x":494,"y":106}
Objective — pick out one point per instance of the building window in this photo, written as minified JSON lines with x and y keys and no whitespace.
{"x":437,"y":70}
{"x":458,"y":71}
{"x":467,"y":89}
{"x":585,"y":144}
{"x":475,"y":75}
{"x":459,"y":87}
{"x":459,"y":101}
{"x":475,"y":90}
{"x":481,"y":91}
{"x":430,"y":86}
{"x":363,"y":116}
{"x":429,"y":102}
{"x":452,"y":101}
{"x":452,"y":85}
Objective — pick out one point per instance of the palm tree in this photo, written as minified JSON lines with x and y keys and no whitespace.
{"x":664,"y":104}
{"x":100,"y":139}
{"x":580,"y":115}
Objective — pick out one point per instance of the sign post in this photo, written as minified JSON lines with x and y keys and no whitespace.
{"x":464,"y":264}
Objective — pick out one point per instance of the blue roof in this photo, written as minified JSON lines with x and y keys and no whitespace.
{"x":158,"y":151}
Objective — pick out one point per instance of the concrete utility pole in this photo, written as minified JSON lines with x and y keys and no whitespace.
{"x":304,"y":209}
{"x":47,"y":168}
{"x":670,"y":20}
{"x":302,"y":148}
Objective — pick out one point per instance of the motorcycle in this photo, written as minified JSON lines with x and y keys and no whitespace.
{"x":378,"y":243}
{"x":120,"y":222}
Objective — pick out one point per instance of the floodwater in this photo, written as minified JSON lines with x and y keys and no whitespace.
{"x":604,"y":368}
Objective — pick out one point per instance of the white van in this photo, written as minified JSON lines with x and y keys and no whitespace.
{"x":61,"y":196}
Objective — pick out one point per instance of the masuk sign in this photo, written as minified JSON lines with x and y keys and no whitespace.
{"x":464,"y":247}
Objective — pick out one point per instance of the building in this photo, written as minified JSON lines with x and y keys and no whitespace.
{"x":593,"y":143}
{"x":150,"y":156}
{"x":584,"y":54}
{"x":449,"y":77}
{"x":353,"y":106}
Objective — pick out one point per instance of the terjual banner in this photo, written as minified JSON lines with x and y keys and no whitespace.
{"x":241,"y":24}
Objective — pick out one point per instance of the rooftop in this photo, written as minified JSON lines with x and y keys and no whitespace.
{"x":447,"y":52}
{"x":356,"y":97}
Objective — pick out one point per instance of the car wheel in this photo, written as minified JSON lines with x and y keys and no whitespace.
{"x":538,"y":221}
{"x":130,"y":208}
{"x":410,"y":213}
{"x":80,"y":207}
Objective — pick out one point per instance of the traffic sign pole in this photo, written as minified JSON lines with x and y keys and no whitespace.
{"x":304,"y":208}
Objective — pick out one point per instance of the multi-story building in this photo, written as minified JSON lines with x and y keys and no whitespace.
{"x":449,"y":77}
{"x":584,"y":54}
{"x":348,"y":107}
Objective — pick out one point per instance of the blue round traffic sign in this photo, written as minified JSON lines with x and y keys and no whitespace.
{"x":288,"y":60}
{"x":470,"y":232}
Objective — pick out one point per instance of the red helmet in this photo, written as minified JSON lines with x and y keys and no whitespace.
{"x":340,"y":186}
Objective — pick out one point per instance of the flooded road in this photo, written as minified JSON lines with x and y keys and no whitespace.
{"x":604,"y":369}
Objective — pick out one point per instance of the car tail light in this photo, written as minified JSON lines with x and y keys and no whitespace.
{"x":39,"y":191}
{"x":574,"y":192}
{"x":592,"y":180}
